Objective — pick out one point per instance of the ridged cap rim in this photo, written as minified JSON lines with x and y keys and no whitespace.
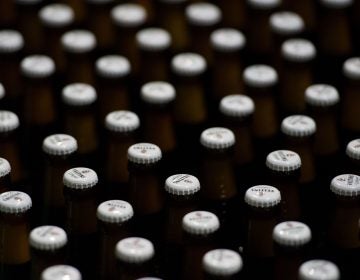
{"x":188,"y":64}
{"x":14,"y":202}
{"x":319,"y":269}
{"x":157,"y":92}
{"x":78,"y":41}
{"x":182,"y":184}
{"x":200,"y":223}
{"x":58,"y":272}
{"x":260,"y":75}
{"x":144,"y":153}
{"x":59,"y":145}
{"x":217,"y":138}
{"x":286,"y":23}
{"x":9,"y":121}
{"x":298,"y":50}
{"x":5,"y":167}
{"x":262,"y":196}
{"x":321,"y":95}
{"x":114,"y":211}
{"x":37,"y":66}
{"x":80,"y":178}
{"x":353,"y":149}
{"x":113,"y":66}
{"x":346,"y":185}
{"x":222,"y":262}
{"x":47,"y":238}
{"x":227,"y":40}
{"x":283,"y":161}
{"x":237,"y":105}
{"x":134,"y":250}
{"x":292,"y":234}
{"x":79,"y":94}
{"x":122,"y":121}
{"x":298,"y":126}
{"x":153,"y":39}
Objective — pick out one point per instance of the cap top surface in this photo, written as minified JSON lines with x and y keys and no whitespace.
{"x":115,"y":211}
{"x":353,"y":149}
{"x":144,"y":153}
{"x":351,"y":68}
{"x":57,"y":15}
{"x":182,"y":184}
{"x":346,"y":185}
{"x":47,"y":238}
{"x":200,"y":223}
{"x":78,"y":41}
{"x":134,"y":250}
{"x":113,"y":66}
{"x":298,"y":50}
{"x":9,"y":121}
{"x":237,"y":105}
{"x":203,"y":14}
{"x":298,"y":126}
{"x":260,"y":75}
{"x":188,"y":64}
{"x":80,"y":178}
{"x":59,"y":144}
{"x":37,"y":66}
{"x":79,"y":94}
{"x":157,"y":92}
{"x":319,"y":269}
{"x":286,"y":23}
{"x":122,"y":121}
{"x":10,"y":41}
{"x":292,"y":234}
{"x":264,"y":4}
{"x":61,"y":272}
{"x":153,"y":39}
{"x":283,"y":161}
{"x":14,"y":202}
{"x":227,"y":39}
{"x":5,"y":167}
{"x":129,"y":15}
{"x":321,"y":95}
{"x":222,"y":262}
{"x":217,"y":138}
{"x":262,"y":196}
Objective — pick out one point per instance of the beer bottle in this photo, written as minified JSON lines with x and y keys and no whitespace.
{"x":296,"y":74}
{"x":159,"y":127}
{"x":263,"y":214}
{"x":181,"y":198}
{"x":10,"y":145}
{"x":344,"y":240}
{"x":59,"y":151}
{"x":135,"y":257}
{"x":190,"y":109}
{"x":199,"y":236}
{"x":78,"y":46}
{"x":11,"y":48}
{"x":258,"y":28}
{"x":14,"y":232}
{"x":113,"y":219}
{"x":217,"y":176}
{"x":81,"y":194}
{"x":47,"y":247}
{"x":171,"y":15}
{"x":260,"y":81}
{"x":5,"y":179}
{"x":128,"y":19}
{"x":227,"y":45}
{"x":202,"y":18}
{"x":353,"y":156}
{"x":98,"y":20}
{"x":145,"y":188}
{"x":153,"y":44}
{"x":79,"y":118}
{"x":222,"y":264}
{"x":234,"y":12}
{"x":121,"y":129}
{"x":29,"y":25}
{"x":351,"y":98}
{"x":284,"y":25}
{"x":283,"y":168}
{"x":319,"y":270}
{"x":7,"y":13}
{"x":58,"y":272}
{"x":112,"y":73}
{"x":237,"y":112}
{"x":291,"y":245}
{"x":56,"y":19}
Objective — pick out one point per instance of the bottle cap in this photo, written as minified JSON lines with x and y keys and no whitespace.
{"x":298,"y":126}
{"x":78,"y":41}
{"x":61,"y":272}
{"x":37,"y":66}
{"x":134,"y":250}
{"x":292,"y":234}
{"x":298,"y":50}
{"x":153,"y":39}
{"x":114,"y":211}
{"x":286,"y":23}
{"x":321,"y":95}
{"x":5,"y":167}
{"x":336,"y":4}
{"x":319,"y":270}
{"x":264,"y":4}
{"x":157,"y":92}
{"x":129,"y":15}
{"x":47,"y":238}
{"x":79,"y":94}
{"x":144,"y":153}
{"x":57,"y":15}
{"x":353,"y":149}
{"x":112,"y":66}
{"x":260,"y":75}
{"x":217,"y":138}
{"x":200,"y":223}
{"x":59,"y":145}
{"x":227,"y":40}
{"x":80,"y":178}
{"x":283,"y":161}
{"x":2,"y":91}
{"x":222,"y":262}
{"x":9,"y":121}
{"x":188,"y":64}
{"x":237,"y":105}
{"x":14,"y":202}
{"x":122,"y":121}
{"x":149,"y":278}
{"x":203,"y":14}
{"x":182,"y":184}
{"x":351,"y":68}
{"x":10,"y":41}
{"x":262,"y":196}
{"x":346,"y":185}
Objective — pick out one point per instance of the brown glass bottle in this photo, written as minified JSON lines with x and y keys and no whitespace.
{"x":122,"y":129}
{"x":263,"y":214}
{"x":58,"y":272}
{"x":199,"y":236}
{"x":319,"y":269}
{"x":113,"y":83}
{"x":202,"y":18}
{"x":113,"y":225}
{"x":291,"y":245}
{"x":135,"y":258}
{"x":47,"y":248}
{"x":14,"y":231}
{"x":219,"y":191}
{"x":5,"y":180}
{"x":353,"y":157}
{"x":81,"y":193}
{"x":59,"y":152}
{"x":306,"y":9}
{"x":78,"y":47}
{"x":227,"y":45}
{"x":283,"y":168}
{"x":234,"y":13}
{"x":79,"y":119}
